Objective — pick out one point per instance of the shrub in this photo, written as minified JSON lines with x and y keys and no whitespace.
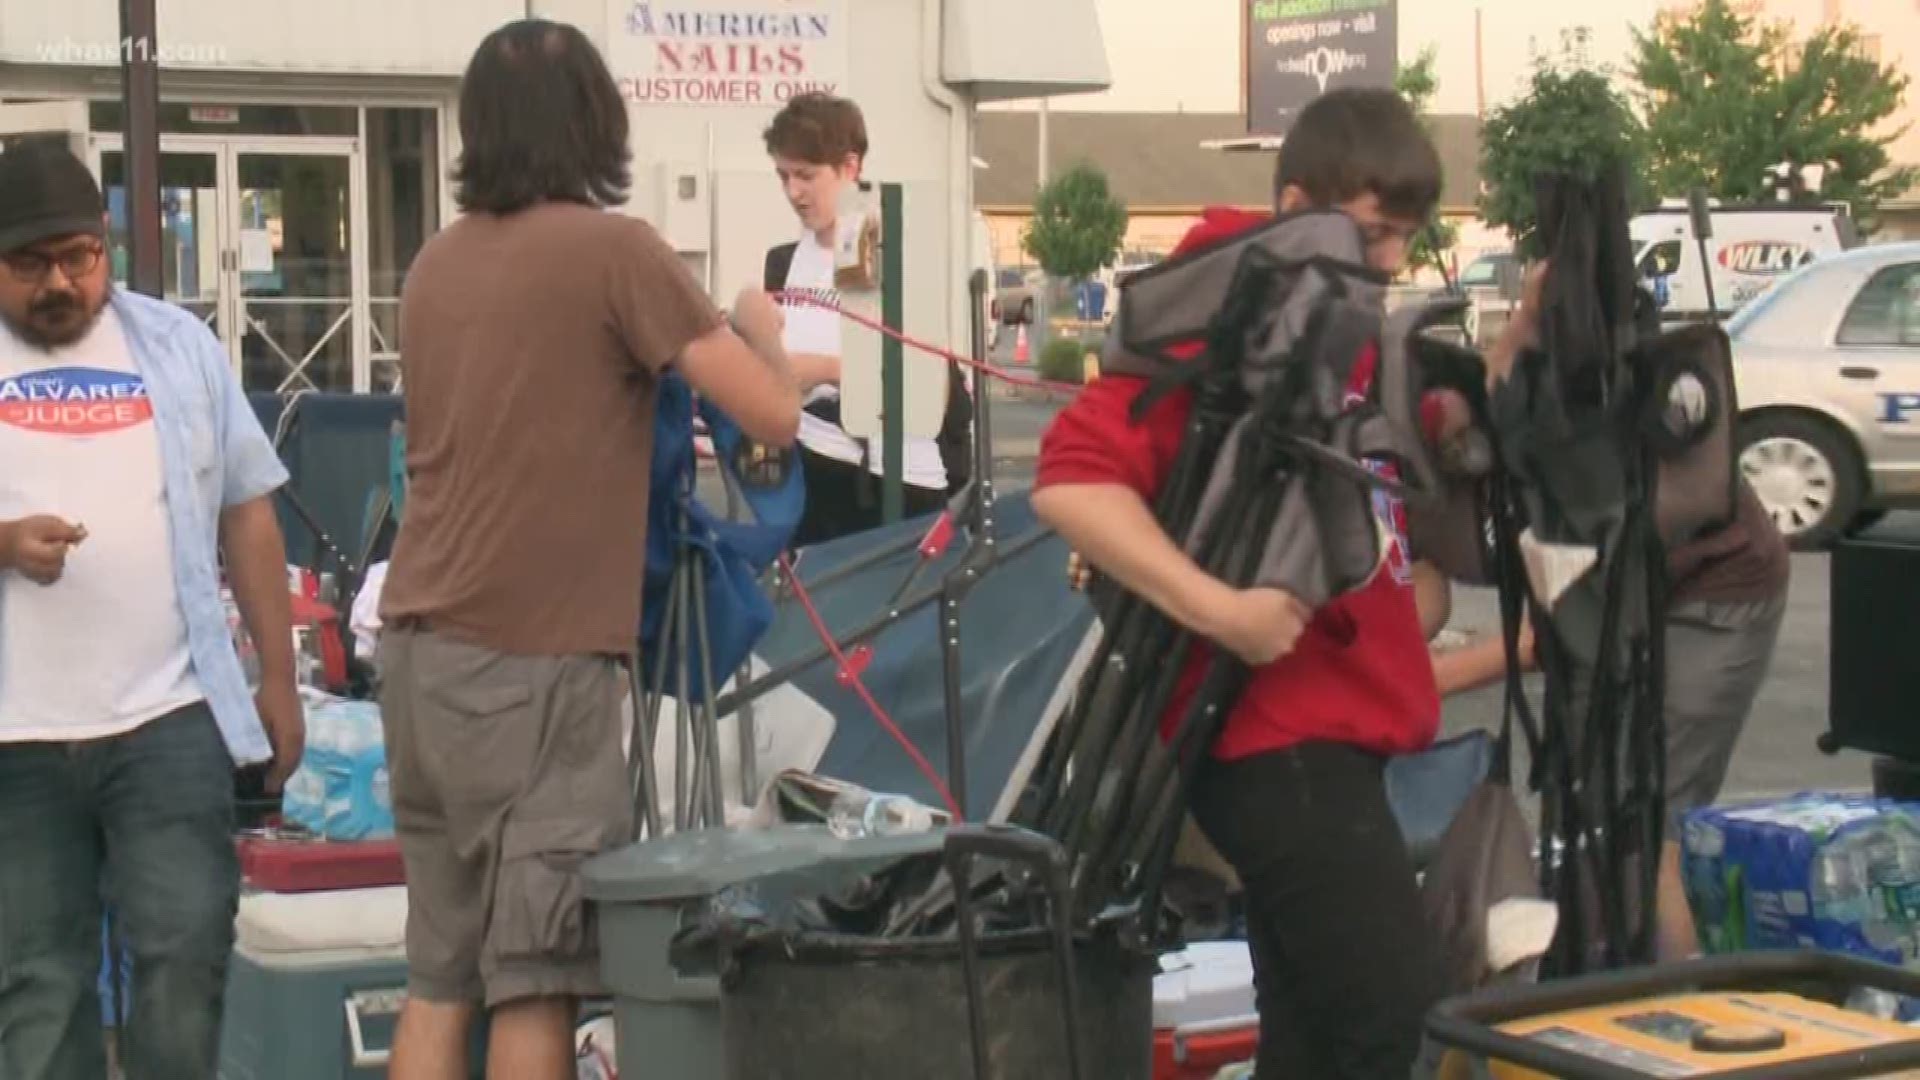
{"x":1063,"y":360}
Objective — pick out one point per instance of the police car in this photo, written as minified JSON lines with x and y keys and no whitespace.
{"x":1827,"y":366}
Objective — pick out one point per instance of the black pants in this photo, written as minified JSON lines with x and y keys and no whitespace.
{"x":1343,"y":965}
{"x":843,"y":499}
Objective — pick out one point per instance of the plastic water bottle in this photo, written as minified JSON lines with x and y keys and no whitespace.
{"x":856,"y":814}
{"x":1705,"y":846}
{"x":1841,"y":890}
{"x":1893,"y":852}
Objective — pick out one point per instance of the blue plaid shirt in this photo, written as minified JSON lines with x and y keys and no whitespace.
{"x":213,"y":455}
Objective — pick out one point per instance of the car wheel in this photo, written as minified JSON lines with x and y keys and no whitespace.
{"x":1807,"y":475}
{"x":1026,"y":311}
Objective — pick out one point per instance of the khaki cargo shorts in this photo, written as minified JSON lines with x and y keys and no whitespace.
{"x":507,"y":773}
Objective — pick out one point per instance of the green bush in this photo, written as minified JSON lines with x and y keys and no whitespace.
{"x":1063,"y":360}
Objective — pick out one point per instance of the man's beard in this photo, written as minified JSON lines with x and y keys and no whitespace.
{"x":55,"y":320}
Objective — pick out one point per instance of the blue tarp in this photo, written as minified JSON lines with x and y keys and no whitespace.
{"x":1020,"y":627}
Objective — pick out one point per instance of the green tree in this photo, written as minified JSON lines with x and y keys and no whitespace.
{"x":1417,"y":82}
{"x":1727,"y":97}
{"x":1077,"y":224}
{"x":1571,"y":122}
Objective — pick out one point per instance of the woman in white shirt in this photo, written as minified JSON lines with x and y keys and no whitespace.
{"x":818,"y":144}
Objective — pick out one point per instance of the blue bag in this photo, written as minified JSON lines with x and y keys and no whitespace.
{"x":732,"y":556}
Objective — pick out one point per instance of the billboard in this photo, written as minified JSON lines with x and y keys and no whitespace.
{"x":1300,"y":49}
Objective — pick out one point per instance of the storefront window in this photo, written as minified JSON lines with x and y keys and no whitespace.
{"x":403,"y":210}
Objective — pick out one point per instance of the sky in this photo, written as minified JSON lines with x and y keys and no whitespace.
{"x":1186,"y":56}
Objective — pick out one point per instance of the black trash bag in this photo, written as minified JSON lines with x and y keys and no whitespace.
{"x":886,"y":897}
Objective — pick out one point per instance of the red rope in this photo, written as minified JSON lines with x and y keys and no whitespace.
{"x":852,"y":676}
{"x":909,"y":340}
{"x":847,"y":669}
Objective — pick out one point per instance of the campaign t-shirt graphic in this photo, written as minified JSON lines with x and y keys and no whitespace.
{"x":75,"y":401}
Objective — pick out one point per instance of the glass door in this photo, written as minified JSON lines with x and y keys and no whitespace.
{"x":297,"y":218}
{"x":260,"y":239}
{"x":191,"y":219}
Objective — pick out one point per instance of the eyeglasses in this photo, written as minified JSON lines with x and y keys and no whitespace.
{"x":32,"y":267}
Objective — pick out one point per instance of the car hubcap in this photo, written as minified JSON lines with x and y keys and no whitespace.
{"x":1794,"y":481}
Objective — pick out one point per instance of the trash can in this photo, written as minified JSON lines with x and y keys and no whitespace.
{"x":822,"y":1007}
{"x":668,"y":1024}
{"x":853,"y":966}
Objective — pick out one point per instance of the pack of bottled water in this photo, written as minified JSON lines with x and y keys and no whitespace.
{"x":1839,"y":873}
{"x":340,"y":791}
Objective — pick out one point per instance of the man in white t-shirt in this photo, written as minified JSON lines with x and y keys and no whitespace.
{"x":818,"y":143}
{"x":130,"y":467}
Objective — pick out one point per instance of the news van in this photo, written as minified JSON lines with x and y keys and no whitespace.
{"x":1752,"y":247}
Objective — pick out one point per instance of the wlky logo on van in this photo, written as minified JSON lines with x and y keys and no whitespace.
{"x":1764,"y":257}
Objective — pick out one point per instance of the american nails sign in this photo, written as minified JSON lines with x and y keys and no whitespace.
{"x":719,"y":53}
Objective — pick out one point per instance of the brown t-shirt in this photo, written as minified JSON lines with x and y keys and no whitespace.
{"x":1746,"y":561}
{"x":531,"y":346}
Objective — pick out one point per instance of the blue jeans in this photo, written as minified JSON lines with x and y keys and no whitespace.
{"x":141,"y":821}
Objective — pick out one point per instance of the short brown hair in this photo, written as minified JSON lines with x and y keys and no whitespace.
{"x":1350,"y":142}
{"x":819,"y":129}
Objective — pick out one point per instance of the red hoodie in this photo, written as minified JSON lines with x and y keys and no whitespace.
{"x":1360,"y":674}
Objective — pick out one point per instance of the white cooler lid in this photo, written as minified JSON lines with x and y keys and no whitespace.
{"x":1208,"y":986}
{"x":348,"y":924}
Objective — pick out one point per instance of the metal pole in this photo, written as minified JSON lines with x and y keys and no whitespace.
{"x":140,"y":96}
{"x":1479,"y":64}
{"x":949,"y":612}
{"x":982,"y":411}
{"x":892,"y":356}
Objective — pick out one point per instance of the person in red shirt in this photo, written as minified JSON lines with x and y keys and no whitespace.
{"x":1293,"y":793}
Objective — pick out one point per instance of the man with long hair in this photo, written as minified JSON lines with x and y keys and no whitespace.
{"x":534,"y":334}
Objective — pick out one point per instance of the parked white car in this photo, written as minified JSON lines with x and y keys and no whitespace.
{"x":1828,"y":375}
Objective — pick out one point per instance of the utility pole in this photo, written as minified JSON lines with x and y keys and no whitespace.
{"x":1044,"y":148}
{"x":1479,"y":64}
{"x":140,"y":96}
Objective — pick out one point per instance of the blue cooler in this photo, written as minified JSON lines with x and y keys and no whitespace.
{"x":315,"y":985}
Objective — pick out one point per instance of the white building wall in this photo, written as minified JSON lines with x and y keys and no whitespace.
{"x":738,"y":211}
{"x":416,"y":37}
{"x":887,"y":55}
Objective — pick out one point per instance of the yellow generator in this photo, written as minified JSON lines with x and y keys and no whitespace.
{"x":1748,"y":1016}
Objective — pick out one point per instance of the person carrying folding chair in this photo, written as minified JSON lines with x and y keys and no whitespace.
{"x":1728,"y":598}
{"x":1293,"y":792}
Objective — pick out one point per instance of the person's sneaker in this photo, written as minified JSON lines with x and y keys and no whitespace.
{"x":1235,"y":1072}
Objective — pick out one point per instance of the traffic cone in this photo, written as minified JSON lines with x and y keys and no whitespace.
{"x":1022,"y":354}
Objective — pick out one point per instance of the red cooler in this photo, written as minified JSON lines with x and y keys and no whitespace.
{"x":1204,"y":1016}
{"x":273,"y":864}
